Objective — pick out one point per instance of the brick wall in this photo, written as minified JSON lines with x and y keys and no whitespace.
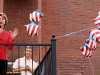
{"x":61,"y":17}
{"x":64,"y":17}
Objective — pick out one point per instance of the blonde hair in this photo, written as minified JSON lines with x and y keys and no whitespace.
{"x":5,"y":17}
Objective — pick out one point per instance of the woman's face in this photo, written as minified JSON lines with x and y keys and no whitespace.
{"x":2,"y":21}
{"x":28,"y":52}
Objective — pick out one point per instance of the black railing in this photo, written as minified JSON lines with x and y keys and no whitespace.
{"x":46,"y":66}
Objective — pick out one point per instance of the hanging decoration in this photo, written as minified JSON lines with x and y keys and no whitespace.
{"x":93,"y":38}
{"x":32,"y":28}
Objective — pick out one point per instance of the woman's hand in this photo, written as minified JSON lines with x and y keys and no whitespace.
{"x":14,"y":33}
{"x":29,"y":69}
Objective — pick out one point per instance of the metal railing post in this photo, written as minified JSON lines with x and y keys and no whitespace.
{"x":53,"y":55}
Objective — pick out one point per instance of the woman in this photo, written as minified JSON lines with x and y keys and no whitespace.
{"x":5,"y":37}
{"x":25,"y":64}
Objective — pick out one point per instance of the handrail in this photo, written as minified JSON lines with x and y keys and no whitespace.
{"x":25,"y":44}
{"x":42,"y":67}
{"x":43,"y":59}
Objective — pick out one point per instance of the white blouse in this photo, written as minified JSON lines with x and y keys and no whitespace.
{"x":22,"y":62}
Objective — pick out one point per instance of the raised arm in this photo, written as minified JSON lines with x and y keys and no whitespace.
{"x":12,"y":38}
{"x":14,"y":33}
